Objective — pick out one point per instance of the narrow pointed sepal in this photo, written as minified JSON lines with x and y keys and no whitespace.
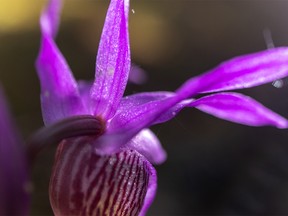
{"x":84,"y":183}
{"x":60,"y":96}
{"x":113,"y":61}
{"x":240,"y":109}
{"x":49,"y":20}
{"x":241,"y":72}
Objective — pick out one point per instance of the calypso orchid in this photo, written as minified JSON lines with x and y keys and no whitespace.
{"x":108,"y":171}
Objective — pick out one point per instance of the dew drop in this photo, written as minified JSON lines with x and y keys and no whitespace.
{"x":112,"y":160}
{"x":110,"y":71}
{"x":278,"y":83}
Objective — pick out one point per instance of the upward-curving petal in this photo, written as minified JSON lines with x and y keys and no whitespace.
{"x":113,"y":60}
{"x":59,"y":93}
{"x":242,"y":72}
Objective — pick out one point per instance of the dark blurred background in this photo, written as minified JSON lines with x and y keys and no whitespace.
{"x":214,"y":167}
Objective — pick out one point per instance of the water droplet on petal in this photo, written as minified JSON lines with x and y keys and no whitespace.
{"x":278,"y":83}
{"x":110,"y":71}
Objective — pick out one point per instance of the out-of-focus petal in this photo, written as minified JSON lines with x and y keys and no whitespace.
{"x":241,"y":72}
{"x":147,"y":144}
{"x":84,"y":183}
{"x":113,"y":61}
{"x":137,"y":75}
{"x":59,"y":93}
{"x":49,"y":20}
{"x":239,"y":108}
{"x":14,"y":196}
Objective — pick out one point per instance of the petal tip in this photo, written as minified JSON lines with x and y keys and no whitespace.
{"x":282,"y":124}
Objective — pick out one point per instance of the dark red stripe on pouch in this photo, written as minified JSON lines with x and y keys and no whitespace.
{"x":133,"y":192}
{"x":136,"y":192}
{"x":113,"y":185}
{"x":65,"y":165}
{"x":112,"y":210}
{"x":84,"y":183}
{"x":100,"y":190}
{"x":124,"y":191}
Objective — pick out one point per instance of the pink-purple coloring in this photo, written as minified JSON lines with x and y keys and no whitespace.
{"x":111,"y":173}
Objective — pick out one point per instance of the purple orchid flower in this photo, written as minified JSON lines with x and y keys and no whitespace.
{"x":110,"y":172}
{"x":14,"y":182}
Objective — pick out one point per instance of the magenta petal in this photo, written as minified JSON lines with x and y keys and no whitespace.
{"x":125,"y":125}
{"x":14,"y":196}
{"x":233,"y":107}
{"x":113,"y":60}
{"x":134,"y":113}
{"x":241,"y":72}
{"x":59,"y":93}
{"x":135,"y":100}
{"x":147,"y":144}
{"x":141,"y":98}
{"x":84,"y":183}
{"x":49,"y":20}
{"x":239,"y":108}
